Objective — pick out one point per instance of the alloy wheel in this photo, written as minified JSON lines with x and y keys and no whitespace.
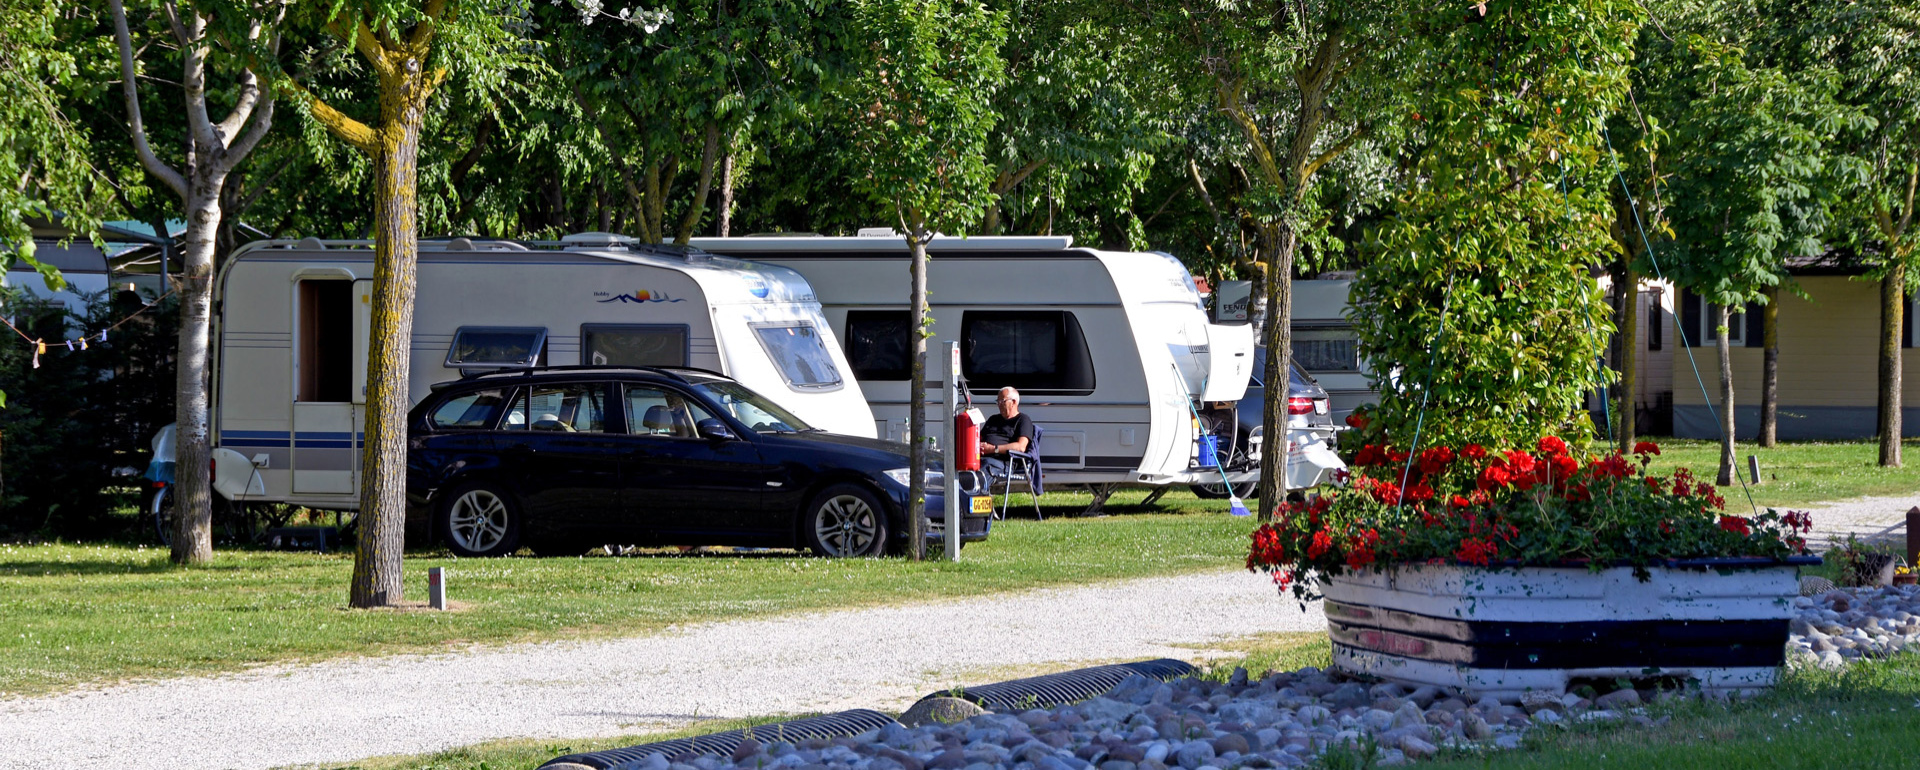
{"x":478,"y":521}
{"x":846,"y":525}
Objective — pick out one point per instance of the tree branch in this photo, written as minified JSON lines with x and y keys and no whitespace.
{"x":1339,"y":148}
{"x":171,"y":178}
{"x":421,"y":40}
{"x":361,"y":136}
{"x":262,"y":122}
{"x":363,"y":41}
{"x":1013,"y":179}
{"x":194,"y":80}
{"x":249,"y":93}
{"x":709,"y":153}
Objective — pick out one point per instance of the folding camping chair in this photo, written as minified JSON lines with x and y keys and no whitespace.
{"x":1025,"y":464}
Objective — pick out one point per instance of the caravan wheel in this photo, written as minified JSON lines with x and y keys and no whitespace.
{"x":160,"y":508}
{"x":479,"y":521}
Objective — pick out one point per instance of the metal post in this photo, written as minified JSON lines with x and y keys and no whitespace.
{"x":952,"y":380}
{"x":1913,"y":536}
{"x":436,"y":588}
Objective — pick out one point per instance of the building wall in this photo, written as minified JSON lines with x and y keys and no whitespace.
{"x":1829,"y":360}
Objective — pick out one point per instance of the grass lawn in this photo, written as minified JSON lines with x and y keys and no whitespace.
{"x":76,"y":614}
{"x":1798,"y":473}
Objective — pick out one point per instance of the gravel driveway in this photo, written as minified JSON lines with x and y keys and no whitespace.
{"x":1864,"y":517}
{"x":881,"y":658}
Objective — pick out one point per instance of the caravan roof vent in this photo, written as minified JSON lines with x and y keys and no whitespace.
{"x":460,"y":244}
{"x":311,"y":243}
{"x":597,"y":239}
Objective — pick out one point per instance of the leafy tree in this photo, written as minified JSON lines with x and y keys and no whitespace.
{"x":1477,"y":316}
{"x":1874,"y":48}
{"x":1744,"y":174}
{"x":43,"y":152}
{"x":409,"y":48}
{"x":202,"y":31}
{"x":921,"y":112}
{"x":1285,"y":75}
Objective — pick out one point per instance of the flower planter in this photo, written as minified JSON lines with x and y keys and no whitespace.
{"x":1503,"y":631}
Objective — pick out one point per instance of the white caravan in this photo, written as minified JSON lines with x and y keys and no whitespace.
{"x":1111,"y":351}
{"x":1326,"y":345}
{"x":291,"y":325}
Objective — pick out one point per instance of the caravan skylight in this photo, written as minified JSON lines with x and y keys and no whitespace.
{"x":496,"y":347}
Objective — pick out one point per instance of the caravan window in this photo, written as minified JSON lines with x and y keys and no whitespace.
{"x":495,"y":347}
{"x":1040,"y":350}
{"x":1327,"y":350}
{"x":800,"y":353}
{"x":633,"y":345}
{"x":569,"y":408}
{"x":877,"y":344}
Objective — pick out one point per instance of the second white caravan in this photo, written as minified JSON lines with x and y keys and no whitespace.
{"x":292,"y":328}
{"x":1111,"y":351}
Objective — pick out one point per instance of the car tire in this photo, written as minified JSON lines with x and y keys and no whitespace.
{"x":479,"y":520}
{"x":1219,"y":491}
{"x":845,"y":520}
{"x":159,"y":506}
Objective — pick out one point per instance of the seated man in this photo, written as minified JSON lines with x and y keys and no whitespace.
{"x":1008,"y":431}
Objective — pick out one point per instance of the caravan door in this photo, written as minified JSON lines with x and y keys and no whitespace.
{"x":329,"y":348}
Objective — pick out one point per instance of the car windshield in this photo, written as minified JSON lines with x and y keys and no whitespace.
{"x":751,"y":408}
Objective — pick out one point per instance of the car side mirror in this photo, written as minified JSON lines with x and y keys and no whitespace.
{"x":715,"y":430}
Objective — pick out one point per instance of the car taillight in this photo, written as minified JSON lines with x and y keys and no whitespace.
{"x":1299,"y":405}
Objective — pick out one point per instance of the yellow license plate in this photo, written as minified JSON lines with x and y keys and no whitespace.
{"x":983,"y":505}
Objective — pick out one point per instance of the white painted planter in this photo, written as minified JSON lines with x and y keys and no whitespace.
{"x":1718,"y":624}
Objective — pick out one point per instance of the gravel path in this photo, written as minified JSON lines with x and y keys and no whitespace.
{"x":1865,"y":517}
{"x":882,"y":658}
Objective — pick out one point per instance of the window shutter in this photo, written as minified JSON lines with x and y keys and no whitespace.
{"x":1906,"y":324}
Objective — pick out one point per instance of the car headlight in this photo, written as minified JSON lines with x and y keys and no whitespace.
{"x":935,"y":479}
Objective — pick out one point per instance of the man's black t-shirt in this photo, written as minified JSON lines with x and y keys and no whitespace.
{"x":1003,"y":430}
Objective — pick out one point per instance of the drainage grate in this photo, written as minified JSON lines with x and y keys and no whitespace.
{"x":843,"y":724}
{"x":1065,"y":687}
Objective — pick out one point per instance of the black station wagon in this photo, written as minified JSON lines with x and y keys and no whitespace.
{"x":562,"y":459}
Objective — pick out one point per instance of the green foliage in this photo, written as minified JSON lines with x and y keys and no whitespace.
{"x":922,"y":107}
{"x":1507,"y":207}
{"x":43,"y":153}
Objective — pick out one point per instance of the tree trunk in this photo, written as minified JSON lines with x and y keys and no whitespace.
{"x":723,"y":224}
{"x":917,"y":393}
{"x":1628,"y":289}
{"x":1278,"y":373}
{"x":193,"y":450}
{"x":1721,"y":316}
{"x":1770,"y":370}
{"x":709,"y":154}
{"x":383,"y":460}
{"x":1892,"y":306}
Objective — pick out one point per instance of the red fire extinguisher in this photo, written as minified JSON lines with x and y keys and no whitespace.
{"x":966,"y":436}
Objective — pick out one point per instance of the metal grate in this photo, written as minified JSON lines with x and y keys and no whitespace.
{"x":843,"y":724}
{"x":1065,"y":687}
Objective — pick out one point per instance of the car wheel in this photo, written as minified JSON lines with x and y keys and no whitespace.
{"x":480,"y":521}
{"x":845,"y":520}
{"x":160,"y":507}
{"x":1219,"y":491}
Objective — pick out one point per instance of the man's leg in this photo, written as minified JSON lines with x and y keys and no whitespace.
{"x":995,"y":467}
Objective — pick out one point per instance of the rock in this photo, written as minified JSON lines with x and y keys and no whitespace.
{"x":1535,"y":700}
{"x":895,"y":735}
{"x":1115,"y":764}
{"x":1239,"y":677}
{"x":1125,"y":752}
{"x":1194,"y":754}
{"x":1231,"y":742}
{"x":1349,"y":695}
{"x":1475,"y":727}
{"x":1424,"y":696}
{"x":1157,"y":751}
{"x":1409,"y":715}
{"x":1417,"y":748}
{"x":747,"y":748}
{"x":1313,"y":715}
{"x":1618,"y":699}
{"x":1508,"y":742}
{"x":940,"y":710}
{"x":947,"y":760}
{"x":1547,"y":717}
{"x":1377,"y":721}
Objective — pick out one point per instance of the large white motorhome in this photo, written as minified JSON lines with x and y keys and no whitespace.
{"x":1111,"y":351}
{"x":291,"y":325}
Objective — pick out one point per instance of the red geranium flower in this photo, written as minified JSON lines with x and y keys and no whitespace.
{"x":1321,"y":543}
{"x":1435,"y":459}
{"x":1552,"y":445}
{"x":1737,"y":525}
{"x":1646,"y":448}
{"x":1474,"y":452}
{"x":1357,"y":421}
{"x":1479,"y":551}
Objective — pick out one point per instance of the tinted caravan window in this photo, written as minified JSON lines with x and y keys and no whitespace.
{"x":801,"y":354}
{"x":877,"y":344}
{"x":633,"y":345}
{"x":1037,"y":350}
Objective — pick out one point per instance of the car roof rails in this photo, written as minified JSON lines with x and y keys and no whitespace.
{"x":667,"y":371}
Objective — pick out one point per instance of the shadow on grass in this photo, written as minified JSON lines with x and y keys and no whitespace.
{"x":158,"y":565}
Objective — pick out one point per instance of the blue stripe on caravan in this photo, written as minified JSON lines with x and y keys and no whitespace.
{"x":257,"y":443}
{"x":253,"y":434}
{"x":317,"y":434}
{"x":306,"y":444}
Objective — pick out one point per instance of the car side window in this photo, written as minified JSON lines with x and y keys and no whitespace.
{"x":660,"y":412}
{"x":564,"y":408}
{"x":470,"y":411}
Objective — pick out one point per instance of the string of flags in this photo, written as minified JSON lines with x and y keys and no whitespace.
{"x":40,"y":345}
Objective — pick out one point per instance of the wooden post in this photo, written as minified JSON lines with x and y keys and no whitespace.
{"x":1913,"y":536}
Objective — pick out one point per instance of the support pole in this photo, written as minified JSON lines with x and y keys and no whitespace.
{"x":952,"y":526}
